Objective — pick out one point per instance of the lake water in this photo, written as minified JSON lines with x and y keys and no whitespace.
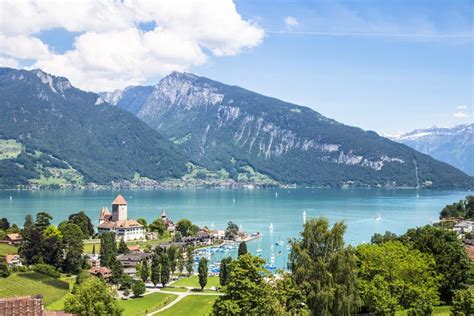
{"x":253,"y":210}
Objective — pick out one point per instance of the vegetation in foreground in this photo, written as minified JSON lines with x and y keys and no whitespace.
{"x":192,"y":305}
{"x":146,"y":304}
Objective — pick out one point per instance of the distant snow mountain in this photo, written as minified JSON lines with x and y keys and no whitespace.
{"x":452,"y":145}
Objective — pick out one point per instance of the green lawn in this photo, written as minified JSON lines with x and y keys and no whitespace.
{"x":175,"y":289}
{"x":145,"y":304}
{"x":32,"y":283}
{"x":7,"y":250}
{"x":196,"y":305}
{"x":89,"y":244}
{"x":194,"y":281}
{"x":437,"y":310}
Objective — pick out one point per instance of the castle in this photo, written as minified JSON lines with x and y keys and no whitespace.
{"x":118,"y":222}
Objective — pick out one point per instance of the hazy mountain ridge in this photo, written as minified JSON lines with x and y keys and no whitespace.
{"x":454,"y":145}
{"x":221,"y":126}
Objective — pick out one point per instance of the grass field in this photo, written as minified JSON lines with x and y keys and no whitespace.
{"x":145,"y":304}
{"x":89,"y":244}
{"x":7,"y":250}
{"x":9,"y":149}
{"x":196,"y":305}
{"x":194,"y":282}
{"x":437,"y":310}
{"x":175,"y":289}
{"x":32,"y":283}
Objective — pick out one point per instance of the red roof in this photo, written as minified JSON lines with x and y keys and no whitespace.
{"x":119,"y":200}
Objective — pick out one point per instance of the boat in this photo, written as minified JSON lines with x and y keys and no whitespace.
{"x":304,"y":217}
{"x":233,"y":200}
{"x":276,"y":194}
{"x":378,"y":217}
{"x":271,"y":227}
{"x":258,"y":250}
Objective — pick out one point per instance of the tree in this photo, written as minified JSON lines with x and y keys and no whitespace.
{"x":4,"y":271}
{"x":180,"y":265}
{"x":42,"y":220}
{"x":177,"y":236}
{"x":165,"y":269}
{"x":247,"y":292}
{"x":290,"y":295}
{"x":186,"y":228}
{"x":4,"y":224}
{"x":117,"y":271}
{"x":463,"y":302}
{"x":32,"y":248}
{"x":122,"y":248}
{"x":157,"y":226}
{"x":143,"y":222}
{"x":452,"y":262}
{"x":461,"y":209}
{"x":392,"y":276}
{"x":92,"y":297}
{"x":224,"y":271}
{"x":126,"y":282}
{"x":325,"y":269}
{"x":53,"y":247}
{"x":145,"y":271}
{"x":202,"y":272}
{"x":189,"y":260}
{"x":138,"y":288}
{"x":155,"y":270}
{"x":84,"y":222}
{"x":242,"y":248}
{"x":108,"y":249}
{"x":93,"y":249}
{"x":73,"y":248}
{"x":232,"y":230}
{"x":172,"y":253}
{"x":380,"y":239}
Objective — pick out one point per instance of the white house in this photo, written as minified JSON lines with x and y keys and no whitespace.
{"x":118,"y":222}
{"x":464,"y":227}
{"x":13,"y":261}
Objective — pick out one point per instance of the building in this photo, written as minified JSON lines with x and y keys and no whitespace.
{"x":464,"y":227}
{"x":13,"y":261}
{"x":102,"y":272}
{"x":118,"y":222}
{"x":13,"y":239}
{"x":26,"y":306}
{"x":93,"y":260}
{"x":132,"y":259}
{"x":168,"y":223}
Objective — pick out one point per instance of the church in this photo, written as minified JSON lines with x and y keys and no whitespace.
{"x":118,"y":222}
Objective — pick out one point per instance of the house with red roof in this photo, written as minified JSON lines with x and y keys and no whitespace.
{"x":118,"y":222}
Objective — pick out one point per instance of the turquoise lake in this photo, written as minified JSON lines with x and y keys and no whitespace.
{"x":252,"y":210}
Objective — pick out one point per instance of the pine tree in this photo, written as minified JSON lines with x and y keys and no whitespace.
{"x":242,"y":248}
{"x":93,"y":249}
{"x":4,"y":271}
{"x":155,"y":270}
{"x":224,"y":271}
{"x":108,"y":249}
{"x":165,"y":269}
{"x":189,"y":260}
{"x":122,"y":248}
{"x":180,"y":261}
{"x":117,"y":271}
{"x":145,"y":271}
{"x":202,"y":272}
{"x":172,"y":253}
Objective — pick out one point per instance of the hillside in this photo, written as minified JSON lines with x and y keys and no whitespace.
{"x":452,"y":145}
{"x":226,"y":128}
{"x":52,"y":132}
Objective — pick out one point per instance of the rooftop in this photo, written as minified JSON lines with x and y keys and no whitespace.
{"x":119,"y":200}
{"x":127,"y":223}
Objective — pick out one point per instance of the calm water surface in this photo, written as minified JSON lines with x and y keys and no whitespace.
{"x":253,"y":210}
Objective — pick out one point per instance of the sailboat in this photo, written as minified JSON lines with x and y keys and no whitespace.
{"x":233,"y":200}
{"x":378,"y":217}
{"x":259,"y":250}
{"x":304,"y":217}
{"x":271,"y":227}
{"x":276,"y":194}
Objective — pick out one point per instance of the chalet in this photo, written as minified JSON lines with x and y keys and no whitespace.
{"x":101,"y":272}
{"x":118,"y":222}
{"x":27,"y":305}
{"x":13,"y":261}
{"x":134,"y":248}
{"x":93,"y":260}
{"x":13,"y":239}
{"x":132,"y":259}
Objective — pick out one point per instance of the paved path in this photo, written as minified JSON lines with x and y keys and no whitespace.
{"x":180,"y":295}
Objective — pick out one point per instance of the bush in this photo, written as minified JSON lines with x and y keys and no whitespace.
{"x":463,"y":303}
{"x":46,"y":269}
{"x":138,"y":288}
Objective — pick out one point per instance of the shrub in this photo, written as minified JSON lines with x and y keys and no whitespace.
{"x":46,"y":269}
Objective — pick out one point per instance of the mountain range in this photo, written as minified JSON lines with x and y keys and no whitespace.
{"x":453,"y":145}
{"x":192,"y":130}
{"x":227,"y":128}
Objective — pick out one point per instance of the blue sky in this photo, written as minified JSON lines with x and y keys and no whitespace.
{"x":389,"y":66}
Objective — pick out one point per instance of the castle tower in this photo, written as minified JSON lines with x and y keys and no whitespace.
{"x":164,"y":217}
{"x":119,"y":209}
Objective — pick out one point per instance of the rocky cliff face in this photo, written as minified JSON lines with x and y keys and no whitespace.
{"x":452,"y":145}
{"x":223,"y":126}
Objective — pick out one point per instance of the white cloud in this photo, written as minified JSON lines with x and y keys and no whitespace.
{"x":8,"y":62}
{"x":460,"y":115}
{"x":111,"y":51}
{"x":461,"y":107}
{"x":291,"y":21}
